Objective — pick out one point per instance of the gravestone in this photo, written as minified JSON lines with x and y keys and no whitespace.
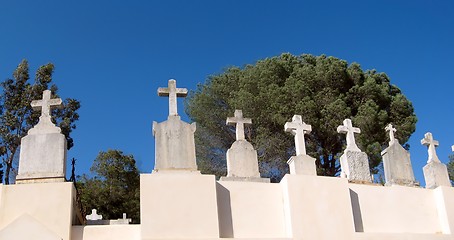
{"x":396,"y":162}
{"x":354,"y":162}
{"x":301,"y":163}
{"x":435,"y":172}
{"x":43,"y":151}
{"x":94,"y":216}
{"x":174,"y":144}
{"x":242,"y":163}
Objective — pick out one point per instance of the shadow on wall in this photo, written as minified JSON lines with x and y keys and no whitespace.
{"x":225,"y":212}
{"x":358,"y":220}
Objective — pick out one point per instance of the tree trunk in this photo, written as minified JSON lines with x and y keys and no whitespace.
{"x":9,"y":166}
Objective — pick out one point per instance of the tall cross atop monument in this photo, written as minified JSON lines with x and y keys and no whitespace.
{"x":239,"y":121}
{"x":391,"y":133}
{"x":46,"y":104}
{"x":298,"y":128}
{"x":172,"y":92}
{"x":429,"y":141}
{"x":348,"y":129}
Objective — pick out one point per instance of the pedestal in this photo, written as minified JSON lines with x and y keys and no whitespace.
{"x":397,"y":166}
{"x":435,"y":175}
{"x":355,"y":166}
{"x":302,"y":165}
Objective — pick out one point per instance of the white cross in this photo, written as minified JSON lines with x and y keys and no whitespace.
{"x":298,"y":128}
{"x":93,"y":216}
{"x":172,"y":92}
{"x":348,"y":129}
{"x":239,"y":121}
{"x":46,"y":104}
{"x":391,"y":132}
{"x":429,"y":141}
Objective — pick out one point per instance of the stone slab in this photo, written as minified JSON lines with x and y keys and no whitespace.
{"x":106,"y":232}
{"x":245,"y":179}
{"x":178,"y":206}
{"x":26,"y":227}
{"x":397,"y":166}
{"x":436,"y":174}
{"x":302,"y":164}
{"x":355,"y":166}
{"x":242,"y":160}
{"x":42,"y":158}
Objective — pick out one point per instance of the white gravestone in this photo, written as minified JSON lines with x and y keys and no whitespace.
{"x":396,"y":162}
{"x":174,"y":139}
{"x":43,"y":150}
{"x":242,"y":163}
{"x":354,"y":163}
{"x":301,"y":163}
{"x":435,"y":172}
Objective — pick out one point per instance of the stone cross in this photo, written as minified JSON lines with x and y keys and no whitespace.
{"x":348,"y":129}
{"x":298,"y":128}
{"x":172,"y":92}
{"x":239,"y":121}
{"x":429,"y":141}
{"x":452,"y":148}
{"x":391,"y":133}
{"x":93,"y":216}
{"x":46,"y":104}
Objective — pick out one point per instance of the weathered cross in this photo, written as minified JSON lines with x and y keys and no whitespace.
{"x":348,"y":129}
{"x":239,"y":121}
{"x":93,"y":216}
{"x":429,"y":141}
{"x":391,"y":132}
{"x":46,"y":104}
{"x":298,"y":128}
{"x":172,"y":92}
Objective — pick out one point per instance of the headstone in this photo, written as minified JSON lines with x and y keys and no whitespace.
{"x":354,"y":163}
{"x":43,"y":151}
{"x":301,"y":163}
{"x":242,"y":163}
{"x":396,"y":162}
{"x":175,"y":148}
{"x":93,"y":216}
{"x":435,"y":172}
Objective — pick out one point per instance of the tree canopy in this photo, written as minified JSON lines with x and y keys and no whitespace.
{"x":450,"y":166}
{"x":17,"y":115}
{"x":113,"y":188}
{"x":324,"y":90}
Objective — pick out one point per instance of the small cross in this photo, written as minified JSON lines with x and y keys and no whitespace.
{"x":391,"y":132}
{"x":429,"y":141}
{"x":298,"y":128}
{"x":348,"y":129}
{"x":46,"y":104}
{"x":239,"y":121}
{"x":93,"y":216}
{"x":172,"y":92}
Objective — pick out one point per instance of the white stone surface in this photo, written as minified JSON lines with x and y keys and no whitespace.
{"x":173,"y":93}
{"x":355,"y":166}
{"x":391,"y":131}
{"x":238,"y":121}
{"x":348,"y":129}
{"x":45,"y":105}
{"x":26,"y":227}
{"x":298,"y":128}
{"x":397,"y":165}
{"x":429,"y":141}
{"x":302,"y":164}
{"x":174,"y":145}
{"x":106,"y":232}
{"x":436,"y":174}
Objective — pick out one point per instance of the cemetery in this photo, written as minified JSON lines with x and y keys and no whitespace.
{"x":178,"y":202}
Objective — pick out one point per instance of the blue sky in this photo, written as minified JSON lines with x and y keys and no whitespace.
{"x":113,"y":55}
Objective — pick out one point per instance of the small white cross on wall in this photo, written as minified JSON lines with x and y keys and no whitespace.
{"x":239,"y":121}
{"x":350,"y":131}
{"x":173,"y":93}
{"x":298,"y":128}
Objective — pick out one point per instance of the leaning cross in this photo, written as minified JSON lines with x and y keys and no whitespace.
{"x":239,"y":121}
{"x":46,"y":104}
{"x":348,"y":129}
{"x":391,"y":132}
{"x":172,"y":92}
{"x":429,"y":141}
{"x":298,"y":128}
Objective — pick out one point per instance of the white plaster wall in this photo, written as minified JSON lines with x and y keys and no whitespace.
{"x":106,"y":232}
{"x":250,"y":210}
{"x":394,"y":209}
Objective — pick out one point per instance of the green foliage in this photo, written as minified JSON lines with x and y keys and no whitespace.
{"x":113,"y":188}
{"x":324,"y":90}
{"x":17,"y":116}
{"x":451,"y":168}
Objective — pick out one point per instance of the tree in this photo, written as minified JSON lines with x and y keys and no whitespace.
{"x":451,"y":168}
{"x":17,"y":116}
{"x":324,"y":90}
{"x":113,"y":188}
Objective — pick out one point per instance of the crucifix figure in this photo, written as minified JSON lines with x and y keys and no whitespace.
{"x":429,"y":141}
{"x":298,"y":128}
{"x":348,"y":129}
{"x":239,"y":121}
{"x":391,"y":133}
{"x":172,"y":92}
{"x":46,"y":104}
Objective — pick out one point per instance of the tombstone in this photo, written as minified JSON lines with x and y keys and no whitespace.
{"x":242,"y":163}
{"x":301,"y":163}
{"x":94,"y":216}
{"x":354,"y":163}
{"x":43,"y":151}
{"x":396,"y":162}
{"x":435,"y":172}
{"x":174,"y":144}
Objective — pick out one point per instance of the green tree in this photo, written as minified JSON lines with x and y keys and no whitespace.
{"x":451,"y":168}
{"x":113,"y":188}
{"x":324,"y":90}
{"x":17,"y":116}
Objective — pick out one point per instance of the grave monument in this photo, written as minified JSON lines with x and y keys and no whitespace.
{"x":435,"y":172}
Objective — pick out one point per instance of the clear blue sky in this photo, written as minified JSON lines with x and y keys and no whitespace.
{"x":113,"y":55}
